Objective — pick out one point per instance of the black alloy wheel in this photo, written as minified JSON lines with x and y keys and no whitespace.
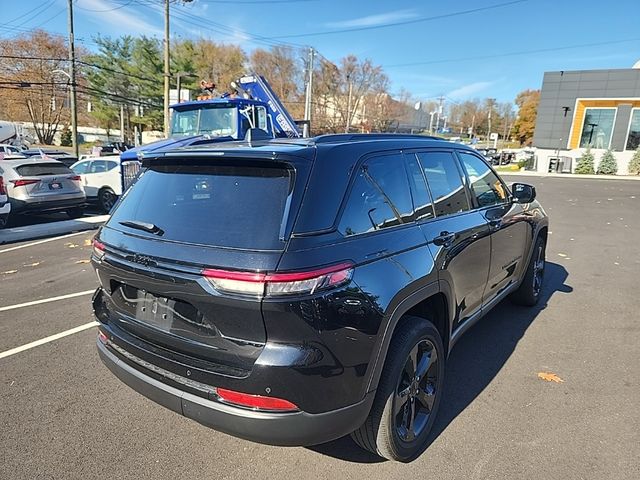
{"x":528,"y":293}
{"x":538,"y":269}
{"x":107,"y":199}
{"x":416,"y":392}
{"x":408,"y":393}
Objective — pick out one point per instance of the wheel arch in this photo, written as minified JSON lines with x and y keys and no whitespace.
{"x":432,"y":302}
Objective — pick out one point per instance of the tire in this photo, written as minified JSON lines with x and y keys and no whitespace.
{"x":4,"y":220}
{"x":75,"y":212}
{"x":383,"y":431}
{"x":528,"y":293}
{"x":106,"y":199}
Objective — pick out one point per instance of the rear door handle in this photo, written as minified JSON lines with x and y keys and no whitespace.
{"x":445,"y":239}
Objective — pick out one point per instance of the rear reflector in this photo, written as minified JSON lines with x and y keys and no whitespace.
{"x":102,"y":337}
{"x":21,"y":183}
{"x":251,"y":283}
{"x":98,"y":249}
{"x":255,"y":401}
{"x":3,"y":190}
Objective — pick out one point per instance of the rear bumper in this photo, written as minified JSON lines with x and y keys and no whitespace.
{"x":285,"y":429}
{"x":22,"y":206}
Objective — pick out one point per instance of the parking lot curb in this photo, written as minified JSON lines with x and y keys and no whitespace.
{"x":528,"y":173}
{"x":33,"y":232}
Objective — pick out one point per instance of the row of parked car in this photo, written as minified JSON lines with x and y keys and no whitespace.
{"x":52,"y":181}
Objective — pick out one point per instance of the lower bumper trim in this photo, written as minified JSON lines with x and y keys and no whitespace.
{"x":284,"y":429}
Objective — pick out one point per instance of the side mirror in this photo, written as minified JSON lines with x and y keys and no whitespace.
{"x":523,"y":193}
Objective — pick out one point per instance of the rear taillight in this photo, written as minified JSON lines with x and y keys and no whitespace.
{"x":257,"y":402}
{"x":3,"y":190}
{"x":75,"y":178}
{"x":21,"y":183}
{"x":293,"y":283}
{"x":98,"y":249}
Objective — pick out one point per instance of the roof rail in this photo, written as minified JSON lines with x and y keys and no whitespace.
{"x":359,"y":137}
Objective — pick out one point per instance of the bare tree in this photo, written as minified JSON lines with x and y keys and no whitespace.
{"x":33,"y":87}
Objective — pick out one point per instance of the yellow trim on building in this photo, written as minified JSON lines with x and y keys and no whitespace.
{"x":582,"y":105}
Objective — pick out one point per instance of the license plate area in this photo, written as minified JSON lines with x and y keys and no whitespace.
{"x":168,"y":315}
{"x":154,"y":310}
{"x":55,"y":186}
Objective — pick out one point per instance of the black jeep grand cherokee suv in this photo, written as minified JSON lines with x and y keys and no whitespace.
{"x":294,"y":291}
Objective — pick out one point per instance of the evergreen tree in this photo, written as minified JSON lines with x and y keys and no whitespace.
{"x":634,"y":164}
{"x":608,"y":164}
{"x":585,"y":163}
{"x":66,"y":139}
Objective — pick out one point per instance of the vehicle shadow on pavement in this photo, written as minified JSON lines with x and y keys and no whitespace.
{"x":474,"y":362}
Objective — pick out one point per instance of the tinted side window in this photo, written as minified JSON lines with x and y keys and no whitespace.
{"x":111,"y":165}
{"x":486,"y":186}
{"x":380,"y":197}
{"x":445,"y":182}
{"x":421,"y":197}
{"x":81,"y":168}
{"x":98,"y":166}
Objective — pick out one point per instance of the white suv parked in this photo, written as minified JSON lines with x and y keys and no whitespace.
{"x":101,"y":180}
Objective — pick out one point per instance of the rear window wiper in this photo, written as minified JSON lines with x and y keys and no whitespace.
{"x":147,"y":227}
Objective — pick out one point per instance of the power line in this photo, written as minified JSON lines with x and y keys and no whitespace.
{"x":182,"y":14}
{"x":38,"y":7}
{"x":127,"y":3}
{"x":256,"y":2}
{"x":81,"y":62}
{"x":404,"y":22}
{"x":509,"y":54}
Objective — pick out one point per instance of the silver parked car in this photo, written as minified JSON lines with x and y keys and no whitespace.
{"x":37,"y":185}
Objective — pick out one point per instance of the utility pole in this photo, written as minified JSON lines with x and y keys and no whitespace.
{"x":122,"y":122}
{"x":167,"y":67}
{"x":491,"y":100}
{"x":439,"y":112}
{"x":72,"y":71}
{"x":307,"y":101}
{"x":348,"y":124}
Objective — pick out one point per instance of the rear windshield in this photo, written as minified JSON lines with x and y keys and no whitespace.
{"x":226,"y":206}
{"x":41,"y":169}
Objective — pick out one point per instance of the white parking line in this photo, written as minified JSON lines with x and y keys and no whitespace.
{"x":40,"y":241}
{"x":46,"y":300}
{"x":48,"y":339}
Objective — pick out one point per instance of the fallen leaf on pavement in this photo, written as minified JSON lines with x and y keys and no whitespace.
{"x":71,"y":245}
{"x":82,"y":261}
{"x":87,"y":242}
{"x":550,"y":377}
{"x":9,"y":271}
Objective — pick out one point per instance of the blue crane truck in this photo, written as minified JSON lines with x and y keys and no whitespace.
{"x":251,"y":104}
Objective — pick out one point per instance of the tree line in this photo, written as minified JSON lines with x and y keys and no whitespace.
{"x":122,"y":80}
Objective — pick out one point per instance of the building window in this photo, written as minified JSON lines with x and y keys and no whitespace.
{"x":633,"y":140}
{"x":597,"y":127}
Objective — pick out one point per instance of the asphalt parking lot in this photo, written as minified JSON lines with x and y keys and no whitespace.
{"x":63,"y":415}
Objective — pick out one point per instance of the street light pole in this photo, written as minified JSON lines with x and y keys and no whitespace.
{"x":72,"y":69}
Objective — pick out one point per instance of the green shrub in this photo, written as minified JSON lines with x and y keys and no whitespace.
{"x":66,"y":139}
{"x":608,"y":164}
{"x":585,"y":163}
{"x":634,"y":164}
